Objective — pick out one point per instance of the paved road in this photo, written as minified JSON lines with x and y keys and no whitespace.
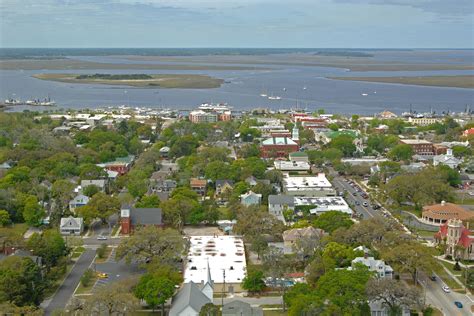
{"x":445,"y":301}
{"x":65,"y":291}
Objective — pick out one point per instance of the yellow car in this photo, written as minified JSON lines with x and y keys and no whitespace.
{"x":102,"y":275}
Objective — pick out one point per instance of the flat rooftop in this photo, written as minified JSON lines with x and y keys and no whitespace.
{"x":224,"y":253}
{"x":307,"y":182}
{"x":415,"y":141}
{"x":324,"y":204}
{"x":291,"y":165}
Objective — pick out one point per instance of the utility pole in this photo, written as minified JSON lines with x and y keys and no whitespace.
{"x":223,"y":288}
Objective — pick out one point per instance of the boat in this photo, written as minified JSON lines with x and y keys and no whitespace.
{"x":263,"y":95}
{"x":274,"y":98}
{"x":284,"y":89}
{"x":304,"y":88}
{"x":13,"y":102}
{"x":364,"y":94}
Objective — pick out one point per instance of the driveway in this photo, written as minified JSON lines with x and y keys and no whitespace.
{"x":65,"y":291}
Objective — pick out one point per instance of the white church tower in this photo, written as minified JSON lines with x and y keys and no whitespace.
{"x":208,"y":287}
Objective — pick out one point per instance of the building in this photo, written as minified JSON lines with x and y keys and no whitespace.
{"x":167,"y":185}
{"x":193,"y":296}
{"x":291,"y":165}
{"x":308,"y":185}
{"x":448,"y":160}
{"x":250,"y":198}
{"x":370,"y":161}
{"x":277,"y":204}
{"x":424,"y":121}
{"x":291,"y":236}
{"x":71,"y":226}
{"x":387,"y":115}
{"x":198,"y":186}
{"x":322,"y":205}
{"x":239,"y":308}
{"x":223,"y":254}
{"x":299,"y":156}
{"x":278,"y":147}
{"x":439,"y":214}
{"x":458,"y":239}
{"x":420,"y":146}
{"x":164,"y":152}
{"x":131,"y":217}
{"x":378,"y":308}
{"x":468,"y":132}
{"x":78,"y":201}
{"x":101,"y":184}
{"x":200,"y":116}
{"x":224,"y":189}
{"x":378,"y":266}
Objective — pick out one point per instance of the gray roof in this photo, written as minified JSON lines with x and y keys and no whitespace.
{"x":239,"y":308}
{"x":189,"y":295}
{"x":281,"y":199}
{"x":71,"y":222}
{"x":98,"y":183}
{"x":146,"y":216}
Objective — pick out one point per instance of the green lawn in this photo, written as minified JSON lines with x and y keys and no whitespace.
{"x":86,"y":289}
{"x":446,"y":277}
{"x":468,"y":200}
{"x":108,"y":250}
{"x":15,"y":231}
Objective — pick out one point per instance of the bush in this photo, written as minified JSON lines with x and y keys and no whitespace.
{"x":87,"y":277}
{"x":457,"y":267}
{"x":101,"y":251}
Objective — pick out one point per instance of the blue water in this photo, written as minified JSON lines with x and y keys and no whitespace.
{"x":244,"y":87}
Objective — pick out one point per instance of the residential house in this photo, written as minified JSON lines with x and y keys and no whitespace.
{"x":383,"y":270}
{"x":164,"y":152}
{"x":277,"y":204}
{"x":458,"y":239}
{"x":167,"y":185}
{"x":192,"y":297}
{"x":122,"y":164}
{"x":378,"y":308}
{"x":131,"y":217}
{"x":252,"y":181}
{"x":250,"y":198}
{"x":71,"y":226}
{"x":468,"y":132}
{"x":239,"y":308}
{"x":101,"y":184}
{"x":448,"y":160}
{"x":223,"y":189}
{"x":198,"y":186}
{"x":291,"y":236}
{"x":78,"y":201}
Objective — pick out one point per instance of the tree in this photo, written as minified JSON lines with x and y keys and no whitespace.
{"x":337,"y":255}
{"x":154,"y":290}
{"x":344,"y":143}
{"x":306,"y":246}
{"x":401,"y":152}
{"x":90,"y":190}
{"x":113,"y":299}
{"x":452,"y":176}
{"x":275,"y":263}
{"x":148,"y":201}
{"x":21,"y":282}
{"x":104,"y":205}
{"x":151,"y":243}
{"x":332,"y":220}
{"x":253,"y":282}
{"x":4,"y":218}
{"x":315,"y":270}
{"x":258,"y":244}
{"x":90,"y":171}
{"x":210,"y":309}
{"x":33,"y":213}
{"x":395,"y":295}
{"x":87,"y":277}
{"x":49,"y":245}
{"x":253,"y":221}
{"x":344,"y":291}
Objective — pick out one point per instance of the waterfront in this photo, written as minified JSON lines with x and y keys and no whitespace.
{"x":243,"y":87}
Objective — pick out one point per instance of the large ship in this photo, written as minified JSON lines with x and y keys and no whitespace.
{"x":13,"y":102}
{"x":37,"y":102}
{"x":215,"y":107}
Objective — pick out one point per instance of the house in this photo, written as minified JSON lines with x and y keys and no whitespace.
{"x":448,"y":159}
{"x":78,"y":201}
{"x":387,"y":115}
{"x":198,"y":186}
{"x":239,"y":308}
{"x":383,"y":270}
{"x":131,"y":217}
{"x":112,"y":175}
{"x":169,"y":166}
{"x":458,"y":239}
{"x":291,"y":236}
{"x":378,"y":308}
{"x":278,"y":147}
{"x":99,"y":183}
{"x":250,"y":198}
{"x":71,"y":226}
{"x":193,"y":296}
{"x":277,"y":204}
{"x":223,"y":189}
{"x":122,"y":164}
{"x":167,"y":185}
{"x":439,"y":214}
{"x":468,"y":132}
{"x":252,"y":181}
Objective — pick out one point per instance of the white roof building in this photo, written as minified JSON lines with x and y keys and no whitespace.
{"x":383,"y":270}
{"x":448,"y":160}
{"x":324,"y":204}
{"x":223,"y":253}
{"x":291,"y":165}
{"x":317,"y":185}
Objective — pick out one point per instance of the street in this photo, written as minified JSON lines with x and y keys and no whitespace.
{"x":435,"y":296}
{"x":66,"y":289}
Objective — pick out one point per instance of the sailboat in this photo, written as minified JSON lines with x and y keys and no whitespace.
{"x":263,"y":94}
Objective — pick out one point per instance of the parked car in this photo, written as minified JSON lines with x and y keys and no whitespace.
{"x":101,"y":237}
{"x":433,"y":278}
{"x":102,"y":275}
{"x":365,"y":204}
{"x":458,"y":304}
{"x":446,"y":288}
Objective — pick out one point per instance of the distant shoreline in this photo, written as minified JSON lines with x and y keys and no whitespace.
{"x":466,"y":82}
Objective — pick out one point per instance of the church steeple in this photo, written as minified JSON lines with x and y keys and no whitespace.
{"x":208,"y":287}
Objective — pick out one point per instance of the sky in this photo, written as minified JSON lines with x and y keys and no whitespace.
{"x":238,"y":23}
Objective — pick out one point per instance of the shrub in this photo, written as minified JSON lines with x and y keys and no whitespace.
{"x":101,"y":251}
{"x":87,"y":277}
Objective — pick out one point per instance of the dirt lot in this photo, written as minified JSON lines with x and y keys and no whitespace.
{"x":202,"y":231}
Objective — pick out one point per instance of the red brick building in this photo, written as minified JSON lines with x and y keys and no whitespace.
{"x":131,"y":217}
{"x":419,"y":146}
{"x":278,"y":147}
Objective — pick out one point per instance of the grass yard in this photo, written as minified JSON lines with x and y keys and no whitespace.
{"x":86,"y":289}
{"x":14,"y":231}
{"x":274,"y":313}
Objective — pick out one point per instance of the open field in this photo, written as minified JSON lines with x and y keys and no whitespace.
{"x":437,"y":81}
{"x":65,"y":63}
{"x":169,"y":81}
